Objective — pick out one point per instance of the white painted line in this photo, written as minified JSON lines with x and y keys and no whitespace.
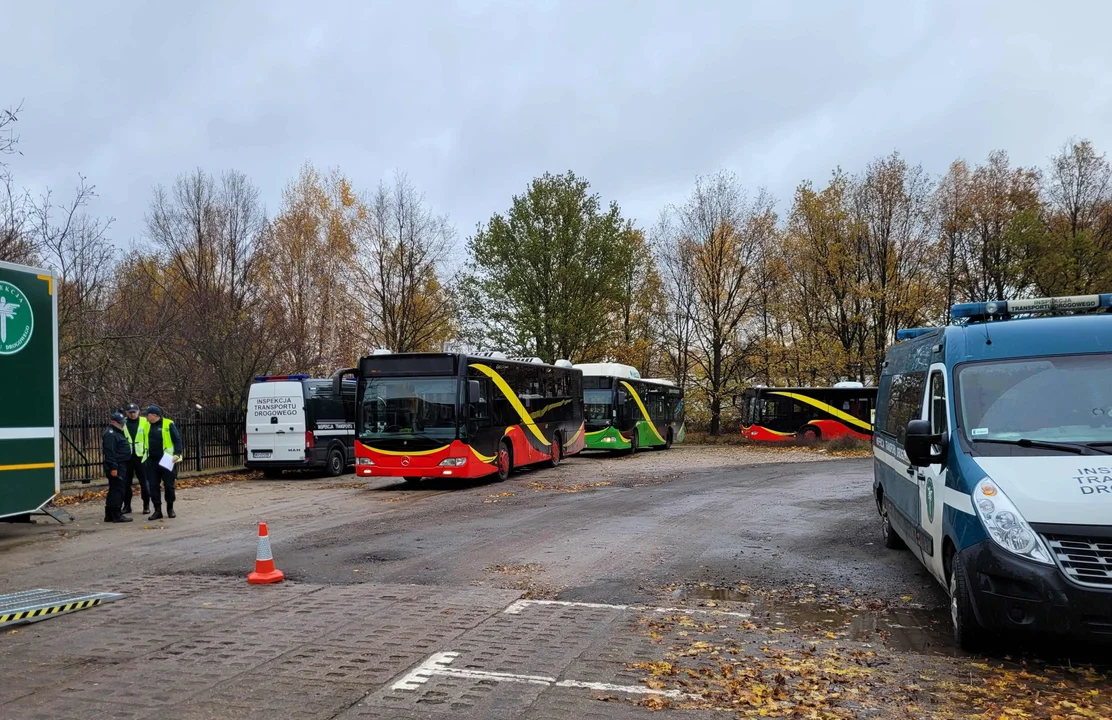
{"x":517,"y":606}
{"x":440,"y":664}
{"x":26,"y":433}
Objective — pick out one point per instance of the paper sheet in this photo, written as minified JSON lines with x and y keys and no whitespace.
{"x":167,"y":461}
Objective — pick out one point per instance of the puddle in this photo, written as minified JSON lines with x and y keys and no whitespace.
{"x":908,"y":629}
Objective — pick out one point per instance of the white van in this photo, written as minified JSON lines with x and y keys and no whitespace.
{"x":295,"y":422}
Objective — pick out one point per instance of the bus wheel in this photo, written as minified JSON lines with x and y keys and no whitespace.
{"x":336,"y":462}
{"x":892,"y":541}
{"x":810,"y":434}
{"x":667,"y":442}
{"x":505,"y":462}
{"x":557,"y":451}
{"x":633,"y":442}
{"x":968,"y":632}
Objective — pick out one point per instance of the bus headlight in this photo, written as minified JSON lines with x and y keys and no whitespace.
{"x":364,"y":461}
{"x":452,"y":462}
{"x":1006,"y":525}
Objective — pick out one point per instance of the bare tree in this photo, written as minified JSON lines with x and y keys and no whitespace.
{"x":17,"y":244}
{"x":727,"y":234}
{"x":207,"y":231}
{"x":401,"y":249}
{"x":677,"y":323}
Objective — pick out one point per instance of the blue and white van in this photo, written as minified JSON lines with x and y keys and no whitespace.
{"x":993,"y":463}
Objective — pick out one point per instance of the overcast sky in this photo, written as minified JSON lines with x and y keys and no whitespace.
{"x":473,"y":99}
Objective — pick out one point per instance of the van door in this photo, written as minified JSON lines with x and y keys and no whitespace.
{"x":276,"y":422}
{"x":932,"y":479}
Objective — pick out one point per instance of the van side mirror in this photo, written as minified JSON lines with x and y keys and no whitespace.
{"x":918,"y":444}
{"x":473,"y":391}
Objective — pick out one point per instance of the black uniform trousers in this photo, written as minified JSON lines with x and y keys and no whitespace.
{"x":134,"y":470}
{"x":156,"y":475}
{"x":113,"y":504}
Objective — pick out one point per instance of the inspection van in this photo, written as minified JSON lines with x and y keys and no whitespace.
{"x":993,"y":463}
{"x":295,"y":422}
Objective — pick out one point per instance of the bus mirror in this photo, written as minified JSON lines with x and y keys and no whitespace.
{"x":338,"y":379}
{"x":623,"y":397}
{"x":473,"y":391}
{"x":918,"y":442}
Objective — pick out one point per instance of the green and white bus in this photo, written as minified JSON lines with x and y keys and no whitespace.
{"x":624,"y":411}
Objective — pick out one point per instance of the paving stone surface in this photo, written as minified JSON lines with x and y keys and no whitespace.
{"x":186,"y":646}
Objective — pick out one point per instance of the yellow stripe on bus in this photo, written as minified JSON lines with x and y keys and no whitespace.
{"x":506,"y":390}
{"x":411,"y":453}
{"x":826,"y":408}
{"x":644,"y":412}
{"x":27,"y":466}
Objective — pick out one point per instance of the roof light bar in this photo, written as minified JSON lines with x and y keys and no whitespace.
{"x":1067,"y":303}
{"x":268,"y":378}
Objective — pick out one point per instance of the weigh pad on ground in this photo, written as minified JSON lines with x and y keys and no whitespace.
{"x":39,"y":604}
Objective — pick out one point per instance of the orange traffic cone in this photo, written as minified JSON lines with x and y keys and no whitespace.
{"x":265,"y":572}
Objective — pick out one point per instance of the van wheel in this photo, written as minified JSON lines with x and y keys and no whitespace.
{"x":892,"y":541}
{"x":557,"y":451}
{"x":271,"y":474}
{"x":336,"y":463}
{"x":504,"y":461}
{"x":968,"y":632}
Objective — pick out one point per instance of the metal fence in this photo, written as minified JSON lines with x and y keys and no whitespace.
{"x":213,"y":439}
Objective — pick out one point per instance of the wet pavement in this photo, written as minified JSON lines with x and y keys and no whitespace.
{"x":604,"y":588}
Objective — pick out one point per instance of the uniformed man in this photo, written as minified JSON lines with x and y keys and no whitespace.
{"x":117,"y":453}
{"x":161,"y":437}
{"x":135,"y":432}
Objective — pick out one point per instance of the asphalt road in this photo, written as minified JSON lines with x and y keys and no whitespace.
{"x":406,"y":602}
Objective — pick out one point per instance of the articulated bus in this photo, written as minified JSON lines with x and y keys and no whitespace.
{"x":445,"y":415}
{"x":808,"y":413}
{"x":625,"y":411}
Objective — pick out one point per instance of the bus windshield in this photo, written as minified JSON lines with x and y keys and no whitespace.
{"x":397,"y":407}
{"x":1066,"y":398}
{"x":596,"y":405}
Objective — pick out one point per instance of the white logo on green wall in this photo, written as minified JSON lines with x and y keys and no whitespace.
{"x":17,"y":321}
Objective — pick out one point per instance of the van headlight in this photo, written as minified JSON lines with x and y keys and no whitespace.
{"x":452,"y":462}
{"x":1005,"y":525}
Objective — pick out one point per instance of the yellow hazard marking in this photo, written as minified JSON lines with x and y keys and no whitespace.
{"x":27,"y":466}
{"x":827,"y":408}
{"x":411,"y":453}
{"x":644,"y":412}
{"x":51,"y":610}
{"x":49,"y":283}
{"x":508,"y":392}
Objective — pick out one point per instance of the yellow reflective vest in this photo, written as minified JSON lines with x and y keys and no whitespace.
{"x":145,"y":434}
{"x":139,"y":442}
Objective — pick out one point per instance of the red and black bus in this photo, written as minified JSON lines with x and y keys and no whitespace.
{"x":453,"y":415}
{"x":771,"y":414}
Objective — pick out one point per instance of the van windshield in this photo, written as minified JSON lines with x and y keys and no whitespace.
{"x":406,"y":407}
{"x":1063,"y":399}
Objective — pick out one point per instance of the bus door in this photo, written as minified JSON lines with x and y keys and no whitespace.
{"x":932,"y":479}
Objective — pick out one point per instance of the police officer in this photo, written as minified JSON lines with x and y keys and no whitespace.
{"x":161,"y":437}
{"x":135,"y":431}
{"x":117,"y":453}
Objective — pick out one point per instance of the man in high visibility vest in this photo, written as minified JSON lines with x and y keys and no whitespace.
{"x":135,"y":430}
{"x":164,"y":447}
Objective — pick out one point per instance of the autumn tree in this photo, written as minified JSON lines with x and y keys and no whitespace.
{"x":723,"y":235}
{"x":16,"y":243}
{"x":307,"y":272}
{"x":402,"y":246}
{"x":1074,"y":256}
{"x":677,"y":321}
{"x":638,"y":307}
{"x":545,"y":278}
